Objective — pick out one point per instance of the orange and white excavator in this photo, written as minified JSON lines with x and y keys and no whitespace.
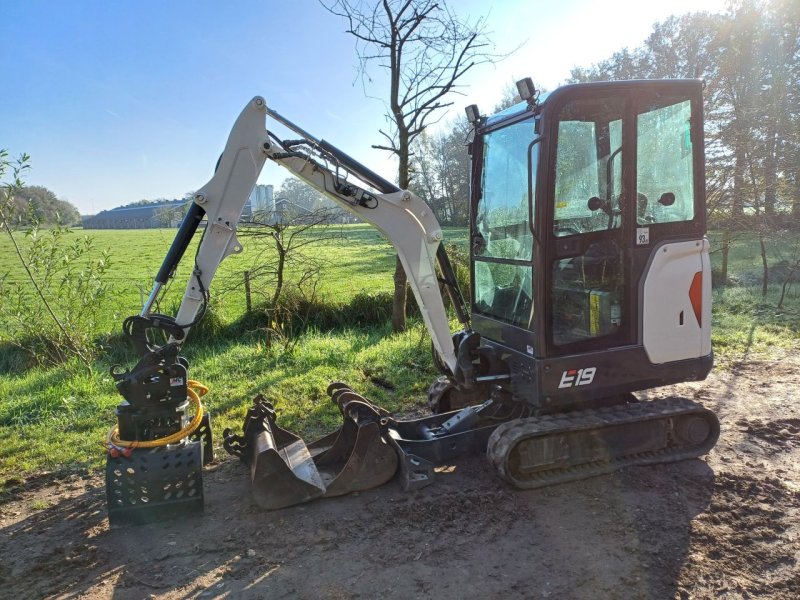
{"x":590,"y":280}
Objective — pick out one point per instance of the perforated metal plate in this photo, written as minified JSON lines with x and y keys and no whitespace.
{"x":155,"y":484}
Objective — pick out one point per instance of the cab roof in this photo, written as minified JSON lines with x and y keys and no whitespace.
{"x":597,"y":86}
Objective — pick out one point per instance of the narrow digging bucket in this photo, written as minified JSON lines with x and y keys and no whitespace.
{"x":284,"y":471}
{"x":281,"y":468}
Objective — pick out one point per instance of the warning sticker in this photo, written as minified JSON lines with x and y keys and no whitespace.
{"x":174,"y":381}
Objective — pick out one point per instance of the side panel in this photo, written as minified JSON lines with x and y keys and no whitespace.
{"x":564,"y":382}
{"x":676,"y":309}
{"x":705,"y":348}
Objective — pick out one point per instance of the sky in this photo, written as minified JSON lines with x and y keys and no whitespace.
{"x":129,"y":100}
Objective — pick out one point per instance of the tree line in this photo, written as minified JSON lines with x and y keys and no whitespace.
{"x":36,"y":203}
{"x":440,"y":167}
{"x":749,"y":58}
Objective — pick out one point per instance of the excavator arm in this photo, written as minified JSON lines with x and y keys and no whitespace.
{"x":405,"y":219}
{"x":364,"y":452}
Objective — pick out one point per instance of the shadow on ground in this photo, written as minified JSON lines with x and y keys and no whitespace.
{"x":469,"y":535}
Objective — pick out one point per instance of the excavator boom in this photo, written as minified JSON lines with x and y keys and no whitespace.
{"x":406,"y":220}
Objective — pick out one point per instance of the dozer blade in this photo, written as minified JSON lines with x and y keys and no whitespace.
{"x":284,"y":471}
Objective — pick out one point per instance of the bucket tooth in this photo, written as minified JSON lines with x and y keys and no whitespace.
{"x":344,"y":396}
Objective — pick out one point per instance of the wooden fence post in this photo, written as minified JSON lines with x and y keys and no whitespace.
{"x":248,"y":300}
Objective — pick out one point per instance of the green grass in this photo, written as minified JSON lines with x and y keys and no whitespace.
{"x":51,"y":419}
{"x":748,"y":325}
{"x":357,"y":259}
{"x":55,"y":419}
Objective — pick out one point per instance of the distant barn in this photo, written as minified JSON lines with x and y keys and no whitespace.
{"x":164,"y":214}
{"x":143,"y":216}
{"x":261,"y":206}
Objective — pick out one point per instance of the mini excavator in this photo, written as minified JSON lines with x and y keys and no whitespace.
{"x":590,"y":280}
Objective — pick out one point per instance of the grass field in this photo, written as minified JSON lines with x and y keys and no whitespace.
{"x":355,"y":259}
{"x":56,"y":418}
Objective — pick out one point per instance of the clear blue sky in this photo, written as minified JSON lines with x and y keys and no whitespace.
{"x":119,"y":101}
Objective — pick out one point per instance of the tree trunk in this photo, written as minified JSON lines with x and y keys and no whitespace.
{"x":279,"y":273}
{"x":796,"y":199}
{"x":737,"y":209}
{"x":400,"y":277}
{"x":770,"y":173}
{"x":399,"y":299}
{"x":764,"y":263}
{"x":726,"y":247}
{"x":786,"y":282}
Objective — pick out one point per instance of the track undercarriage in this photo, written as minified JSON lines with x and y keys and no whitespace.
{"x":527,"y":451}
{"x":552,"y":449}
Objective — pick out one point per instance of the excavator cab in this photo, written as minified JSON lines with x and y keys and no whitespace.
{"x":590,"y":267}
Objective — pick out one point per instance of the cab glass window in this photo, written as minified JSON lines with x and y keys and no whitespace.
{"x":664,"y":171}
{"x":502,"y":240}
{"x":588,"y":186}
{"x":502,"y":219}
{"x":504,"y":291}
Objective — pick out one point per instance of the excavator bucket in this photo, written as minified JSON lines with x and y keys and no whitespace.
{"x":284,"y":471}
{"x":356,"y":456}
{"x":281,"y":468}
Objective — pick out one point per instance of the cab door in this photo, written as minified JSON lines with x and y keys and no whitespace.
{"x":671,"y":255}
{"x":588,"y":263}
{"x":501,"y":235}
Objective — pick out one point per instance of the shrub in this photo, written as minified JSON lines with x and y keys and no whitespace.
{"x":53,"y":316}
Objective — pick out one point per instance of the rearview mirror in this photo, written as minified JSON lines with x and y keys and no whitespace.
{"x":594,"y":203}
{"x":667,"y":199}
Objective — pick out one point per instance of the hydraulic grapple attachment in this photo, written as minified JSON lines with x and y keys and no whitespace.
{"x":284,"y":471}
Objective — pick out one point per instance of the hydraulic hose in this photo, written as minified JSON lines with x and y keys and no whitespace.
{"x":195,"y":390}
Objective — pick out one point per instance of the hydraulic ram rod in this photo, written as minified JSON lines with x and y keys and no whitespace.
{"x":182,"y":239}
{"x":383,"y":185}
{"x":348,"y":162}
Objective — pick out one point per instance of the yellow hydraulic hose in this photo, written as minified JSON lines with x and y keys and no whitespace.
{"x":195,"y":390}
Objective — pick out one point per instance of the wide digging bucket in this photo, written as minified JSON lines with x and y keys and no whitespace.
{"x":284,"y":471}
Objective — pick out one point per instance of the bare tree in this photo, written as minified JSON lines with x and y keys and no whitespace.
{"x":426,"y":50}
{"x":280,"y":239}
{"x":283,"y":267}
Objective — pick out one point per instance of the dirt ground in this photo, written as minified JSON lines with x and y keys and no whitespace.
{"x":724,"y":527}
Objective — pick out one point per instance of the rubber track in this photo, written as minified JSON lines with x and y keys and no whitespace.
{"x":508,"y":435}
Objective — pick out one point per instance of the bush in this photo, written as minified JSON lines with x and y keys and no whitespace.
{"x":55,"y":318}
